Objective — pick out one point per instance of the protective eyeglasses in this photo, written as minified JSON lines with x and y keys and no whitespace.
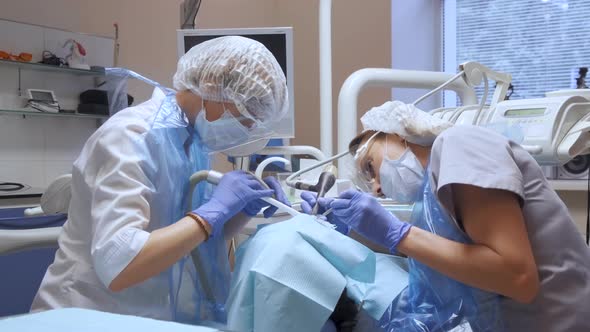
{"x":367,"y":171}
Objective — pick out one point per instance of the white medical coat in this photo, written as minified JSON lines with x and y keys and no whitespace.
{"x":108,"y":223}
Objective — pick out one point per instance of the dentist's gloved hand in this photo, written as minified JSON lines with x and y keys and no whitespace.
{"x":309,"y":200}
{"x":366,"y":216}
{"x":233,"y":193}
{"x":254,"y":207}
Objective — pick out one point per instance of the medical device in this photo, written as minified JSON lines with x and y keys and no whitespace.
{"x":43,"y":100}
{"x":326,"y":182}
{"x":214,"y":177}
{"x":553,"y":129}
{"x":279,"y":41}
{"x":575,"y":169}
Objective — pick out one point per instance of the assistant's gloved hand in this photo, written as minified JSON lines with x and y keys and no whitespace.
{"x":366,"y":216}
{"x":254,"y":207}
{"x":235,"y":190}
{"x":309,"y":200}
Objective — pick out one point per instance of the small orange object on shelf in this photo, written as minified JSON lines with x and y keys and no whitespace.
{"x":4,"y":55}
{"x":23,"y":57}
{"x":26,"y":57}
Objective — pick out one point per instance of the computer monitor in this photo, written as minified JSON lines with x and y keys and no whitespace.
{"x":280,"y":43}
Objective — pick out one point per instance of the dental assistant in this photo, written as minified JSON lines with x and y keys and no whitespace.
{"x":524,"y":243}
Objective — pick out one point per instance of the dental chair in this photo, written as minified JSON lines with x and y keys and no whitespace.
{"x":24,"y":261}
{"x":54,"y":201}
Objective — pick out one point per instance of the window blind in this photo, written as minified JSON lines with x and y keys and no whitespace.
{"x":541,"y":43}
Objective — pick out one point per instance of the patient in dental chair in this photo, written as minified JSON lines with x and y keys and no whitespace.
{"x":298,"y":274}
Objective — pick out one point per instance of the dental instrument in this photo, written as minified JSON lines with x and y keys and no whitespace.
{"x":268,"y":161}
{"x":326,"y":182}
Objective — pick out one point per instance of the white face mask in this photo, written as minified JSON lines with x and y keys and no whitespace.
{"x":401,"y":179}
{"x":221,"y":134}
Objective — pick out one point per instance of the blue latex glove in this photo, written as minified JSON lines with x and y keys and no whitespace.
{"x":366,"y":216}
{"x":233,"y":193}
{"x":309,"y":200}
{"x":254,"y":207}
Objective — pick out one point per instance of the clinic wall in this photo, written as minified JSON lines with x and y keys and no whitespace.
{"x":416,"y":34}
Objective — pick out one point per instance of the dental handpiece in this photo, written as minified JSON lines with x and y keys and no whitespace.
{"x":325,"y":183}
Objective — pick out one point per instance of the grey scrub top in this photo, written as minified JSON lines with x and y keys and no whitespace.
{"x":480,"y":157}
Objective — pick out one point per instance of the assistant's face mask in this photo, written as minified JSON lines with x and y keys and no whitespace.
{"x":401,"y":179}
{"x":221,"y":134}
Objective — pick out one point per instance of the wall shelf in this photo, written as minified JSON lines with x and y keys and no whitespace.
{"x":49,"y":68}
{"x":569,"y":185}
{"x":26,"y":112}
